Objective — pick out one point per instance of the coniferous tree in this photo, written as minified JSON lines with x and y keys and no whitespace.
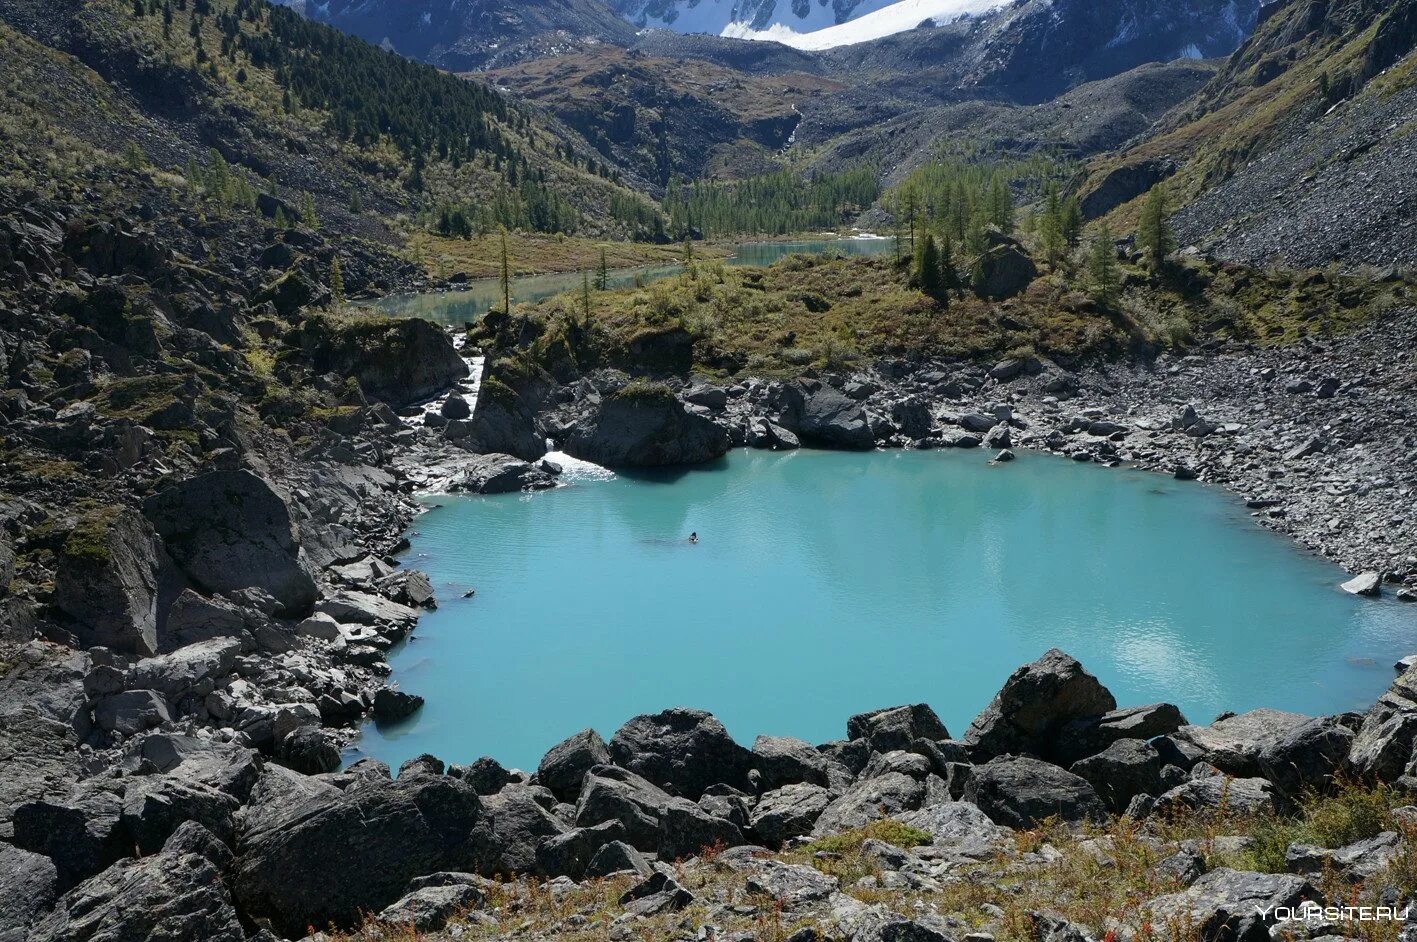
{"x":307,"y":211}
{"x":585,"y":295}
{"x":602,"y":273}
{"x":949,"y":276}
{"x":336,"y":283}
{"x":1072,"y":221}
{"x":927,"y":267}
{"x":1103,"y":274}
{"x":1050,"y":229}
{"x":1001,"y":205}
{"x":1154,"y":236}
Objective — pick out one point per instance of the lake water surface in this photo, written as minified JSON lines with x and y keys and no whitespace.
{"x":455,"y":308}
{"x":828,"y":583}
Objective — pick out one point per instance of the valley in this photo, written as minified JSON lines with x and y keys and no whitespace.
{"x":389,"y":390}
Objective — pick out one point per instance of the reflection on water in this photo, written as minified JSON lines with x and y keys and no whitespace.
{"x":455,"y":308}
{"x":827,"y":583}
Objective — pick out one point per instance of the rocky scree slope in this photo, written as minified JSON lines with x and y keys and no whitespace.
{"x":1297,"y":149}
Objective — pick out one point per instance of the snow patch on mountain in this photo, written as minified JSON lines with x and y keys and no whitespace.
{"x":897,"y":18}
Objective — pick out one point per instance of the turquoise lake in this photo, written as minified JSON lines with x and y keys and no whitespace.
{"x":828,"y":583}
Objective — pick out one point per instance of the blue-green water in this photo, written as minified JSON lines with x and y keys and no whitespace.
{"x":455,"y":308}
{"x":827,"y":583}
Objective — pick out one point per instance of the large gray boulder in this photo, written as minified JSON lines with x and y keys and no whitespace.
{"x":193,"y":618}
{"x":107,"y":580}
{"x":179,"y":672}
{"x":504,"y":417}
{"x":500,"y":474}
{"x":29,"y":886}
{"x":1212,"y":794}
{"x":1231,"y":905}
{"x":1088,"y":736}
{"x":130,"y":712}
{"x":885,"y":796}
{"x":1001,"y":272}
{"x":823,"y":415}
{"x":682,"y":750}
{"x":309,"y":854}
{"x":686,"y":830}
{"x":1019,"y":792}
{"x":399,"y":361}
{"x":959,"y":829}
{"x":176,"y":894}
{"x":1234,"y":744}
{"x":81,"y":832}
{"x":521,"y":823}
{"x":610,"y":793}
{"x":1125,"y":769}
{"x":788,"y":812}
{"x":565,"y":764}
{"x":230,"y":530}
{"x":644,"y":425}
{"x":1383,"y":745}
{"x":1035,"y":702}
{"x":570,"y":854}
{"x":1309,"y":757}
{"x":782,"y":760}
{"x":896,"y":727}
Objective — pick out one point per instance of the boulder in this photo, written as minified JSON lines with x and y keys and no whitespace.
{"x":1219,"y":793}
{"x":311,"y":855}
{"x":886,"y":796}
{"x":348,"y":607}
{"x":683,"y":750}
{"x":570,"y":854}
{"x":617,"y":857}
{"x":81,"y":832}
{"x":792,"y":885}
{"x":131,"y":712}
{"x":644,"y":425}
{"x":397,"y":360}
{"x":29,"y":887}
{"x":504,"y":416}
{"x":500,"y":474}
{"x":1125,"y":769}
{"x":309,"y":750}
{"x":1019,"y":792}
{"x":107,"y":578}
{"x":391,"y":705}
{"x":788,"y":812}
{"x":565,"y":765}
{"x":1231,"y":905}
{"x":1002,"y":272}
{"x":229,"y":531}
{"x":1357,"y":862}
{"x":1035,"y":702}
{"x":1088,"y":736}
{"x":610,"y":793}
{"x":521,"y":824}
{"x":686,"y":830}
{"x":1368,"y":583}
{"x":1234,"y":744}
{"x":176,"y":894}
{"x":193,"y":618}
{"x":782,"y":760}
{"x":179,"y":672}
{"x":959,"y":828}
{"x":657,"y":893}
{"x":155,"y":806}
{"x":1308,"y":757}
{"x":291,"y":292}
{"x":428,"y":908}
{"x":487,"y":776}
{"x":1383,"y":745}
{"x":896,"y":727}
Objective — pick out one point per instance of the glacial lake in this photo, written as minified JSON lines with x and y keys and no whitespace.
{"x":455,"y":308}
{"x":827,"y":583}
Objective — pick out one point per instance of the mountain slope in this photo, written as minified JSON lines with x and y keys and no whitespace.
{"x":294,"y":107}
{"x":1300,"y":148}
{"x":462,"y":35}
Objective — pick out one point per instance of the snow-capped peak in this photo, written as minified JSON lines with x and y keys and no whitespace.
{"x":896,"y":18}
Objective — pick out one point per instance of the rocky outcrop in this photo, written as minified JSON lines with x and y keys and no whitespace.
{"x":396,"y":360}
{"x":1036,"y":701}
{"x":300,"y":841}
{"x":1124,"y":183}
{"x":822,"y":415}
{"x":644,"y":425}
{"x":229,"y":531}
{"x":503,"y":419}
{"x":683,"y":750}
{"x":108,"y":580}
{"x":501,"y":474}
{"x":1019,"y":792}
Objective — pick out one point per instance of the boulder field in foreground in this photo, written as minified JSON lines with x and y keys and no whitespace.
{"x":228,"y":837}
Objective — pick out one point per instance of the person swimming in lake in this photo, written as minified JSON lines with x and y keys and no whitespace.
{"x":694,"y":537}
